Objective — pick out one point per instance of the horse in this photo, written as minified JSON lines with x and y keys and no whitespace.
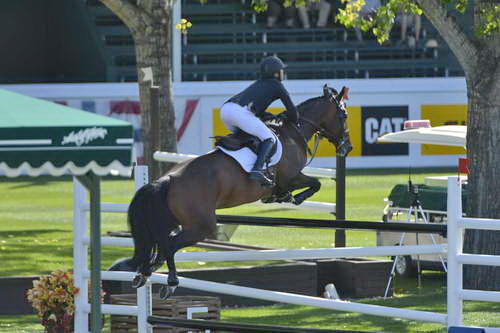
{"x":178,"y":209}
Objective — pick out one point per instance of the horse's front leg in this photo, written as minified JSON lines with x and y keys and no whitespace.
{"x":301,"y":181}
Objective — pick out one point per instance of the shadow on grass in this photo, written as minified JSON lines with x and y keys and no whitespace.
{"x":272,"y":210}
{"x":28,"y":233}
{"x":40,"y":180}
{"x":326,"y":319}
{"x":28,"y":185}
{"x":44,"y":180}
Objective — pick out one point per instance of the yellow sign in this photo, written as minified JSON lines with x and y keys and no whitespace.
{"x":325,"y":148}
{"x":439,"y":115}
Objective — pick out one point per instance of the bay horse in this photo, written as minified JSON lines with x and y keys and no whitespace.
{"x":178,"y":210}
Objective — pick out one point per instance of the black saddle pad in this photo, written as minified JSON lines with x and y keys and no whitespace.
{"x":240,"y":139}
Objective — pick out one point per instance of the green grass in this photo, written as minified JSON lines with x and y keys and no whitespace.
{"x":36,"y":238}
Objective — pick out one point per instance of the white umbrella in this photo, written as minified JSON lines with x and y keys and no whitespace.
{"x":450,"y":135}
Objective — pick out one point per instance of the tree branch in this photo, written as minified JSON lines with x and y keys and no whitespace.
{"x":133,"y":17}
{"x":461,"y":45}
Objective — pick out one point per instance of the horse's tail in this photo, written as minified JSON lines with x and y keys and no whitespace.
{"x":150,"y":221}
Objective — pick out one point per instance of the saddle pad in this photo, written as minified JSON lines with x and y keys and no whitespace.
{"x":246,"y":158}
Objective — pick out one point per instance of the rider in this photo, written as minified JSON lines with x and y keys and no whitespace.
{"x":244,"y":110}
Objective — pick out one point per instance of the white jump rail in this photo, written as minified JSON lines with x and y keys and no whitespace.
{"x":298,"y":254}
{"x":143,"y":308}
{"x":313,"y":172}
{"x":281,"y":297}
{"x":179,"y":158}
{"x":109,"y":207}
{"x":456,"y":258}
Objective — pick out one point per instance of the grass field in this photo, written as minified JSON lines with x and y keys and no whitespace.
{"x":36,"y":238}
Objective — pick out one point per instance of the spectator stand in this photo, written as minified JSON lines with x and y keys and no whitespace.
{"x":228,"y":39}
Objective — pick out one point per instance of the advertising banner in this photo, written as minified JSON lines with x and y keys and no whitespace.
{"x":375,"y":107}
{"x":379,"y":120}
{"x":439,"y":115}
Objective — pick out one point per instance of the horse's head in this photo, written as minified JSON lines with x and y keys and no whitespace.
{"x":328,"y":115}
{"x":334,"y":121}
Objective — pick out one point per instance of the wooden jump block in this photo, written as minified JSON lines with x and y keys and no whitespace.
{"x":176,"y":307}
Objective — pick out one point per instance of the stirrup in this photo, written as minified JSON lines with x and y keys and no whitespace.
{"x":260,"y":177}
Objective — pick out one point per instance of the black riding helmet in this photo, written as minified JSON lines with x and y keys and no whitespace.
{"x":271,"y":65}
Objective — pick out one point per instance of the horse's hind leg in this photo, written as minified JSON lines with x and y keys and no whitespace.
{"x":185,"y":237}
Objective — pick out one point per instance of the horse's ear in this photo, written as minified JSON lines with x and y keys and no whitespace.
{"x":326,"y":91}
{"x":344,"y":94}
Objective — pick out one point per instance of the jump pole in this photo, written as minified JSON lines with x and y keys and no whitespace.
{"x":340,"y":198}
{"x":282,"y":297}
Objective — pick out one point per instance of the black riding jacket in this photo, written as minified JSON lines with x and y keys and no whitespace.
{"x":260,"y":94}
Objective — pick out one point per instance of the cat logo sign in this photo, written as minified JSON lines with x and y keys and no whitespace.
{"x":378,"y":120}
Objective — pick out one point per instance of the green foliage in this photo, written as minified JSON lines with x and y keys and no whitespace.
{"x":459,"y":5}
{"x":382,"y":20}
{"x":491,"y":24}
{"x":259,"y":5}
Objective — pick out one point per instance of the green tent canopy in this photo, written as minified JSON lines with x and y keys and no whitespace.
{"x":38,"y":136}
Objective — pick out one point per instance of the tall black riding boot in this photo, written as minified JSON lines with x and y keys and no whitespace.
{"x":258,"y":169}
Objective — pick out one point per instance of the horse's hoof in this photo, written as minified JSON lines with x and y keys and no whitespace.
{"x":139,"y":281}
{"x":297,"y":200}
{"x":167,"y":291}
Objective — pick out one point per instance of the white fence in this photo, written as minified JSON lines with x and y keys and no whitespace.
{"x":456,"y":258}
{"x":163,"y":156}
{"x":144,"y":307}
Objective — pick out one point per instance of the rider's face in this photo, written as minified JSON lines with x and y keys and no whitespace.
{"x":280,"y":75}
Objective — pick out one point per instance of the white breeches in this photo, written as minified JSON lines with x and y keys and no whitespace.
{"x":236,"y":116}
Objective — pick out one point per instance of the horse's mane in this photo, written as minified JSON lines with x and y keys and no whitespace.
{"x":308,"y":103}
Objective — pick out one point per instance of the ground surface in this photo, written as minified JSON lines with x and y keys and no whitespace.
{"x":36,"y":238}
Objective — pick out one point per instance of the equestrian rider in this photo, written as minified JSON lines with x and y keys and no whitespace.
{"x":245,"y":111}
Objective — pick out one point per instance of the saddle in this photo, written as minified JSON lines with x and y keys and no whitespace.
{"x":240,"y":139}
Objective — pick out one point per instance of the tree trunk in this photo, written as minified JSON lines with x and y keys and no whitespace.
{"x":153,"y":49}
{"x":483,"y":151}
{"x":478,"y":57}
{"x":150,"y":24}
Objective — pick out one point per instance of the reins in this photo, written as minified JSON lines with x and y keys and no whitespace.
{"x":317,"y":137}
{"x":318,"y":134}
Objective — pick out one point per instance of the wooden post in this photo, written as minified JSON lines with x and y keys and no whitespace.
{"x":340,"y":201}
{"x":154,"y":115}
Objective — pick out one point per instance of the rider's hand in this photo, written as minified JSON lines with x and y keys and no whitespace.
{"x":281,"y":117}
{"x":266,"y":116}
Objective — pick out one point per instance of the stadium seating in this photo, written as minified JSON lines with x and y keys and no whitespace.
{"x":228,"y":39}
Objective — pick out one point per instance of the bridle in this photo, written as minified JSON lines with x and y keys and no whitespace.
{"x":339,"y":142}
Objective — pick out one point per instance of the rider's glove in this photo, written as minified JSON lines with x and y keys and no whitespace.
{"x":266,"y":116}
{"x":282,"y":117}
